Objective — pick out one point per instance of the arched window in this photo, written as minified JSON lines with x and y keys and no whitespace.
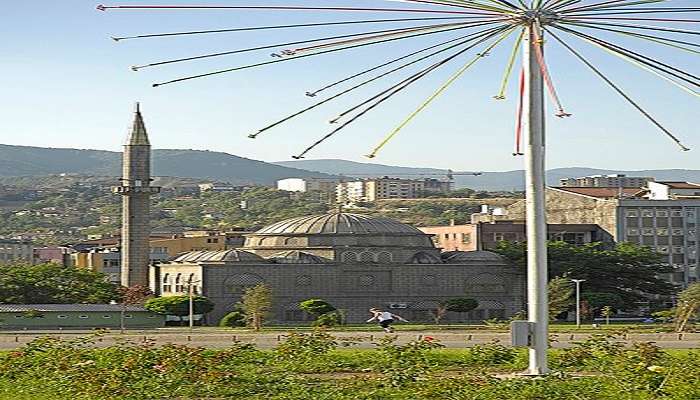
{"x":385,"y":257}
{"x":366,"y":256}
{"x":291,"y":241}
{"x":178,"y":283}
{"x":167,"y":286}
{"x":349,"y":256}
{"x":236,"y":284}
{"x":191,"y":280}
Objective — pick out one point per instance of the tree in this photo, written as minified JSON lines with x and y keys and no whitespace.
{"x":688,"y":306}
{"x":560,"y":292}
{"x":324,"y":313}
{"x":132,"y":296}
{"x":316,"y":307}
{"x":233,"y":319}
{"x":628,"y":270}
{"x":179,"y":305}
{"x":607,"y":312}
{"x":598,"y":300}
{"x":54,"y":284}
{"x":256,"y":304}
{"x":461,"y":304}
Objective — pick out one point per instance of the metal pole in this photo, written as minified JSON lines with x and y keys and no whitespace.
{"x":534,"y":128}
{"x":191,"y":307}
{"x":578,"y":301}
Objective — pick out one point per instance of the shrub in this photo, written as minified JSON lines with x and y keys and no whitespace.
{"x":491,"y":354}
{"x":402,"y":364}
{"x":179,"y":305}
{"x":233,"y":319}
{"x":316,"y":307}
{"x":327,"y":320}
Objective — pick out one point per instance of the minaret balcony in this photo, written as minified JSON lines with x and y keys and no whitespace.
{"x":136,"y":189}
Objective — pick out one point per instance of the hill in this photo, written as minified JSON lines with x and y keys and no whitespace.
{"x":507,"y":180}
{"x":211,"y":165}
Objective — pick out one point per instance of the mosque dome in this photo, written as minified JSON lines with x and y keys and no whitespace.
{"x":297,"y":257}
{"x":459,"y":257}
{"x":217,"y":256}
{"x":342,"y":237}
{"x":339,"y":223}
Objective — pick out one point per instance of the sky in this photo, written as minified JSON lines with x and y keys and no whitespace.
{"x":65,"y":83}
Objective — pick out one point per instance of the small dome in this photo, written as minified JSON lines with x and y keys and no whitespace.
{"x":217,"y":256}
{"x":339,"y":223}
{"x":458,"y":257}
{"x":298,"y":257}
{"x":424,"y":258}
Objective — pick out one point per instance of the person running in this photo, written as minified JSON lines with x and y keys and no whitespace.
{"x":385,"y":319}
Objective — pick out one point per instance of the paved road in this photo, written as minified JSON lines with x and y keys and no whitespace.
{"x":453,"y":339}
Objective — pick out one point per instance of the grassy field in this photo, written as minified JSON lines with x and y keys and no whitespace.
{"x":315,"y":366}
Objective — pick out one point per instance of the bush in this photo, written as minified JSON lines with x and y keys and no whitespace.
{"x":327,"y":320}
{"x":461,"y":304}
{"x":402,"y":364}
{"x":233,"y":319}
{"x":491,"y":354}
{"x":316,"y":307}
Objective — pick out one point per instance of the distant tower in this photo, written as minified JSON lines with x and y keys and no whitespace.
{"x":136,"y":190}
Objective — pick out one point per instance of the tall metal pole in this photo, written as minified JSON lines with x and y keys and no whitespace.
{"x":191,"y":292}
{"x":534,"y":128}
{"x":578,"y":300}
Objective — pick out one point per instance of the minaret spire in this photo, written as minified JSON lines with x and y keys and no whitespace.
{"x":136,"y":191}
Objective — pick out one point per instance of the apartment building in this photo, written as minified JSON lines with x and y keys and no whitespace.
{"x":369,"y":190}
{"x":308,"y":185}
{"x":607,"y":181}
{"x":667,"y":224}
{"x":12,"y":250}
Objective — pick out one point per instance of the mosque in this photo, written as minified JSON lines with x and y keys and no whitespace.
{"x":353,"y":261}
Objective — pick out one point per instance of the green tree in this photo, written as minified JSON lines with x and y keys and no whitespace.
{"x":256,"y":304}
{"x":688,"y":306}
{"x":627,"y":270}
{"x":54,"y":284}
{"x":179,"y":306}
{"x":597,"y":300}
{"x":316,"y":307}
{"x":607,"y":312}
{"x":560,"y":292}
{"x":233,"y":319}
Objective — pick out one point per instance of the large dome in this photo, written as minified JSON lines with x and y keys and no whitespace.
{"x":338,"y":223}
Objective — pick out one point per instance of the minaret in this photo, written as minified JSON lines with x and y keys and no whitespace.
{"x":136,"y":191}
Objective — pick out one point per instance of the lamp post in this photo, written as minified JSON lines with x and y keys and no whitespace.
{"x":578,"y":300}
{"x":190,"y":289}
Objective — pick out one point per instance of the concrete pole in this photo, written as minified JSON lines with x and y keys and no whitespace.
{"x":191,"y":293}
{"x":534,"y":128}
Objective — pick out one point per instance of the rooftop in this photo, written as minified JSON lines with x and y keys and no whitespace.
{"x":68,"y":307}
{"x":681,"y":185}
{"x":339,"y":223}
{"x":601,"y":192}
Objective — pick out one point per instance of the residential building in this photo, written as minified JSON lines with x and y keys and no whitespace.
{"x":78,"y":316}
{"x":354,"y":262}
{"x":487,"y":235}
{"x":308,"y":185}
{"x":14,"y":250}
{"x":607,"y":181}
{"x":53,"y":254}
{"x":672,"y":191}
{"x":370,"y":190}
{"x":218,"y":188}
{"x":669,"y":225}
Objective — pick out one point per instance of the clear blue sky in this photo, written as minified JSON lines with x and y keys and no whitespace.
{"x":66,"y":84}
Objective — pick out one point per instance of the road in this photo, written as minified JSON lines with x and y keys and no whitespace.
{"x":454,"y":339}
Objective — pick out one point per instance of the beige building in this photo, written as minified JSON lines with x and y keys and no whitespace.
{"x":607,"y":181}
{"x":370,"y":190}
{"x":668,"y":226}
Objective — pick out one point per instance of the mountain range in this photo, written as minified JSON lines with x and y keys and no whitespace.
{"x":218,"y":166}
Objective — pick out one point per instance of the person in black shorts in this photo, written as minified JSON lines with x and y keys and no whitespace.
{"x":385,"y":319}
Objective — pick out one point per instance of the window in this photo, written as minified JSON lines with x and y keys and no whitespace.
{"x":83,"y":316}
{"x":662,"y":231}
{"x":678,"y":250}
{"x":106,"y":316}
{"x":167,"y":287}
{"x":648,"y":232}
{"x":677,"y":232}
{"x":349,"y":256}
{"x":647,"y":213}
{"x":690,"y":214}
{"x":62,"y":316}
{"x":632,"y":213}
{"x":447,"y":236}
{"x":178,"y":283}
{"x":676,"y":213}
{"x":466,"y":238}
{"x":498,"y":237}
{"x":18,"y":316}
{"x":662,"y":249}
{"x":128,"y":316}
{"x":632,"y":232}
{"x":662,"y":213}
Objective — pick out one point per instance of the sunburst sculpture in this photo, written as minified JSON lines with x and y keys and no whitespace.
{"x":466,"y":31}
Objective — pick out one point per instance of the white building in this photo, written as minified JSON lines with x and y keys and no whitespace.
{"x":369,"y":190}
{"x":673,"y":191}
{"x":307,"y":185}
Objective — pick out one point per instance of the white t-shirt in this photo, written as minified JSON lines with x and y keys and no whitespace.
{"x":385,"y":316}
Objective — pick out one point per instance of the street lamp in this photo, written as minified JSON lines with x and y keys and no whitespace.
{"x":578,"y":300}
{"x":190,"y":290}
